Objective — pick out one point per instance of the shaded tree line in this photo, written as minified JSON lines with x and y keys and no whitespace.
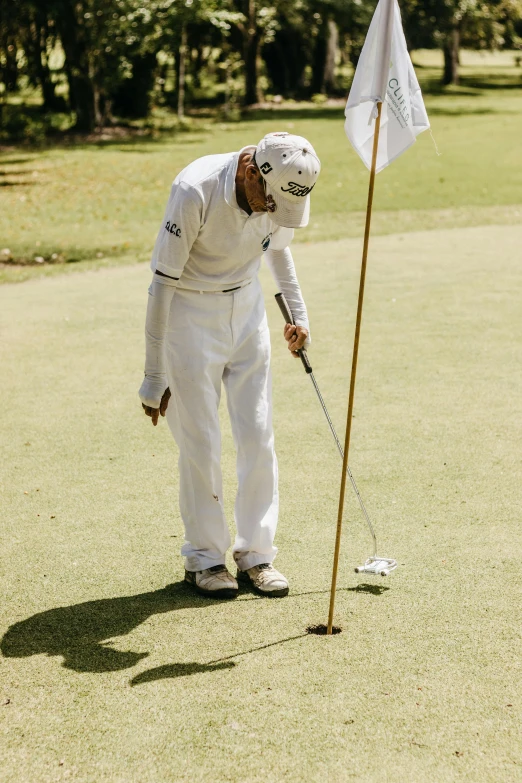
{"x":113,"y":54}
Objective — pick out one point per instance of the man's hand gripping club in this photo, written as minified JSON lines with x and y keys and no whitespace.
{"x":296,"y":337}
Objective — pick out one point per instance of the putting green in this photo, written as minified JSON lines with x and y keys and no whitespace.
{"x":108,"y":675}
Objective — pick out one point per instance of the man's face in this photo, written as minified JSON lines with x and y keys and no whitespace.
{"x":255,"y":188}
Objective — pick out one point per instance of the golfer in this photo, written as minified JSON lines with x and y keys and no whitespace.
{"x":206,"y":324}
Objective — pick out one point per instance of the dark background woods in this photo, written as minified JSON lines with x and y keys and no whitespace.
{"x":101,"y":61}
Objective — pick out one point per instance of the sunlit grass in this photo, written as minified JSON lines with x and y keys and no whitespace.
{"x":106,"y":677}
{"x":104,"y":202}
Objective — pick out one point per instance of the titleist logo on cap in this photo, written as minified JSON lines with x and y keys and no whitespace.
{"x":297,"y":190}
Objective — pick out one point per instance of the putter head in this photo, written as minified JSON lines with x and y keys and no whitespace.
{"x":377,"y":566}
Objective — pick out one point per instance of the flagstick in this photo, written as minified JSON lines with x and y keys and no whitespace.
{"x":354,"y":367}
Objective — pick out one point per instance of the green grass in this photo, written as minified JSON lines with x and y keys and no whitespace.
{"x":111,"y":671}
{"x":107,"y":200}
{"x":108,"y":676}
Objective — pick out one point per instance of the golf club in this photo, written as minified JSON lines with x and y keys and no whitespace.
{"x":374,"y":565}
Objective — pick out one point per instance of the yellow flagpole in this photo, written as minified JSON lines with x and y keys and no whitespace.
{"x":354,"y":368}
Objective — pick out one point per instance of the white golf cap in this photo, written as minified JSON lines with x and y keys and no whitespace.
{"x":290,"y":168}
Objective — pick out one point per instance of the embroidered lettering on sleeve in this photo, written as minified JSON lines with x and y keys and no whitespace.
{"x":172,"y":229}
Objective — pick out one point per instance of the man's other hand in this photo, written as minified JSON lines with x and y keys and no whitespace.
{"x":295,"y":337}
{"x":155,"y":413}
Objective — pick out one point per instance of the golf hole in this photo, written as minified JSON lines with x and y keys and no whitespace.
{"x":322,"y":629}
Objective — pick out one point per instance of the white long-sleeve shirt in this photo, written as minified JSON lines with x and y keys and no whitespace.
{"x":208,"y":243}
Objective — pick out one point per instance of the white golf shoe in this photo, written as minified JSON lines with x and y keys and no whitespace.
{"x":214,"y":582}
{"x":265,"y":580}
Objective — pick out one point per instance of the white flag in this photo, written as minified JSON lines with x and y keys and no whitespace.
{"x":385,"y":73}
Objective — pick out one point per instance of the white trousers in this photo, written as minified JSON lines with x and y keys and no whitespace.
{"x":213,"y":338}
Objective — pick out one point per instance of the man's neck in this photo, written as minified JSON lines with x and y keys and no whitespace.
{"x":242,"y":201}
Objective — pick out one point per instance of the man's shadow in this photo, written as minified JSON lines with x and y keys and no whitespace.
{"x":82,"y":633}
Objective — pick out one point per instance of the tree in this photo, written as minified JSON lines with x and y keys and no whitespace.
{"x":9,"y":45}
{"x":256,"y":25}
{"x":339,"y":26}
{"x":225,"y":22}
{"x":111,"y":47}
{"x":456,"y":23}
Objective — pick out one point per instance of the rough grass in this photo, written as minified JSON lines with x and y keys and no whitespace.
{"x":109,"y":676}
{"x":102,"y":204}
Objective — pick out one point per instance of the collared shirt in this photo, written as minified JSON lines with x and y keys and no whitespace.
{"x":206,"y":240}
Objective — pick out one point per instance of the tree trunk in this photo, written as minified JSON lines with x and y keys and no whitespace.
{"x":34,"y":38}
{"x":131,"y":97}
{"x":49,"y":95}
{"x":83,"y":102}
{"x":319,"y":60}
{"x":451,"y":56}
{"x":251,"y":40}
{"x":199,"y":67}
{"x":81,"y":93}
{"x":181,"y":71}
{"x":75,"y":47}
{"x":285,"y":59}
{"x":332,"y":46}
{"x":10,"y":70}
{"x":99,"y":117}
{"x":46,"y":82}
{"x":226,"y":104}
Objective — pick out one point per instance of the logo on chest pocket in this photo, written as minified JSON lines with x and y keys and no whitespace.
{"x":266,"y":241}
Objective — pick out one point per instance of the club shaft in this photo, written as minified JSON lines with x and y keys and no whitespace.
{"x":350,"y":474}
{"x":289,"y":319}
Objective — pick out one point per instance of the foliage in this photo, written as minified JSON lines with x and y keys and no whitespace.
{"x":108,"y":59}
{"x":22,"y":126}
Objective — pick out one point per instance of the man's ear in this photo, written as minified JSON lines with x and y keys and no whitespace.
{"x":252,"y":173}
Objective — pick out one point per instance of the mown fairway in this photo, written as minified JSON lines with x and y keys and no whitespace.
{"x":113,"y":671}
{"x":100,"y":205}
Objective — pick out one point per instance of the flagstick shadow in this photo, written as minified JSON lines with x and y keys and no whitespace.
{"x":173,"y":670}
{"x":363,"y":587}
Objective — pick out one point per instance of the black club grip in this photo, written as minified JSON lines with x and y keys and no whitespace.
{"x":287,"y":315}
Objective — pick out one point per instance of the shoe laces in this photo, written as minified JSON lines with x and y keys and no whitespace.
{"x":217,"y":568}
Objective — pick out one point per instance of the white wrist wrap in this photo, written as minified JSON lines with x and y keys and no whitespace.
{"x":151,"y":390}
{"x":158,"y":308}
{"x":281,"y":264}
